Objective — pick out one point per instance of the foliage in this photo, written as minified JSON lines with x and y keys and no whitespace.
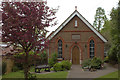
{"x":23,"y":32}
{"x":53,"y":60}
{"x":15,"y":69}
{"x":100,"y":18}
{"x":66,"y":65}
{"x":16,"y":64}
{"x":96,"y":63}
{"x":106,"y":59}
{"x":93,"y":63}
{"x":114,"y":53}
{"x":86,"y":63}
{"x":106,"y":31}
{"x":43,"y":59}
{"x":4,"y":65}
{"x":62,"y":66}
{"x":57,"y":67}
{"x":32,"y":77}
{"x":111,"y":31}
{"x":19,"y":65}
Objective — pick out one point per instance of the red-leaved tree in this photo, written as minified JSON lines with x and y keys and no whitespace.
{"x":24,"y":28}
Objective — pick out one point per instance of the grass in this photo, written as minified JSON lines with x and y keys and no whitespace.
{"x":111,"y":76}
{"x":62,"y":74}
{"x":20,"y":74}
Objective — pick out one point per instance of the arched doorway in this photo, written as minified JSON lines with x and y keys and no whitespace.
{"x":75,"y":55}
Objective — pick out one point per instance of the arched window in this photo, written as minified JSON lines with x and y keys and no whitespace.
{"x":76,"y":23}
{"x":59,"y":48}
{"x":92,"y":49}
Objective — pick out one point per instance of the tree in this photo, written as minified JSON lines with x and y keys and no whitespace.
{"x":106,"y":31}
{"x":24,"y":29}
{"x":100,"y":18}
{"x":115,"y":33}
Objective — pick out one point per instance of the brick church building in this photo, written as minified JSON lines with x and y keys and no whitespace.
{"x":76,"y":40}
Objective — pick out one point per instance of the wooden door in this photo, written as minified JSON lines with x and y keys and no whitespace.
{"x":75,"y":55}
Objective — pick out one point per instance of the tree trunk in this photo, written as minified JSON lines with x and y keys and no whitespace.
{"x":26,"y":73}
{"x":99,"y":26}
{"x":26,"y":66}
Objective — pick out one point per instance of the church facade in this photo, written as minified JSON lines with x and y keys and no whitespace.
{"x":76,"y":40}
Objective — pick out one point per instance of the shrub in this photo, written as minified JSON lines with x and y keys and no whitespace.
{"x":96,"y":63}
{"x":66,"y":65}
{"x":86,"y":63}
{"x":19,"y":66}
{"x":62,"y":66}
{"x":42,"y":58}
{"x":106,"y":59}
{"x":4,"y":65}
{"x":32,"y":77}
{"x":15,"y":69}
{"x":57,"y":67}
{"x":19,"y":57}
{"x":53,"y":60}
{"x":93,"y":63}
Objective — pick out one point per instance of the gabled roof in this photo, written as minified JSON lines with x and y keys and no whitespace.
{"x":76,"y":13}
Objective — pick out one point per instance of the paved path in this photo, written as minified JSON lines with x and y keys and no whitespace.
{"x":77,"y":72}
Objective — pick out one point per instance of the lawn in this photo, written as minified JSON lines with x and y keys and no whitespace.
{"x":20,"y":74}
{"x":111,"y":76}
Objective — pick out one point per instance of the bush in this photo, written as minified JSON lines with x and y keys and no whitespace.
{"x":53,"y":60}
{"x":86,"y":63}
{"x":19,"y":57}
{"x":4,"y":65}
{"x":106,"y":59}
{"x":62,"y":66}
{"x":19,"y":66}
{"x":66,"y":65}
{"x":43,"y":57}
{"x":96,"y":63}
{"x":57,"y":67}
{"x":15,"y":69}
{"x":93,"y":63}
{"x":32,"y":77}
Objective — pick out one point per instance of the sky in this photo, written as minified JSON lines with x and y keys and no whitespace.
{"x":87,"y":8}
